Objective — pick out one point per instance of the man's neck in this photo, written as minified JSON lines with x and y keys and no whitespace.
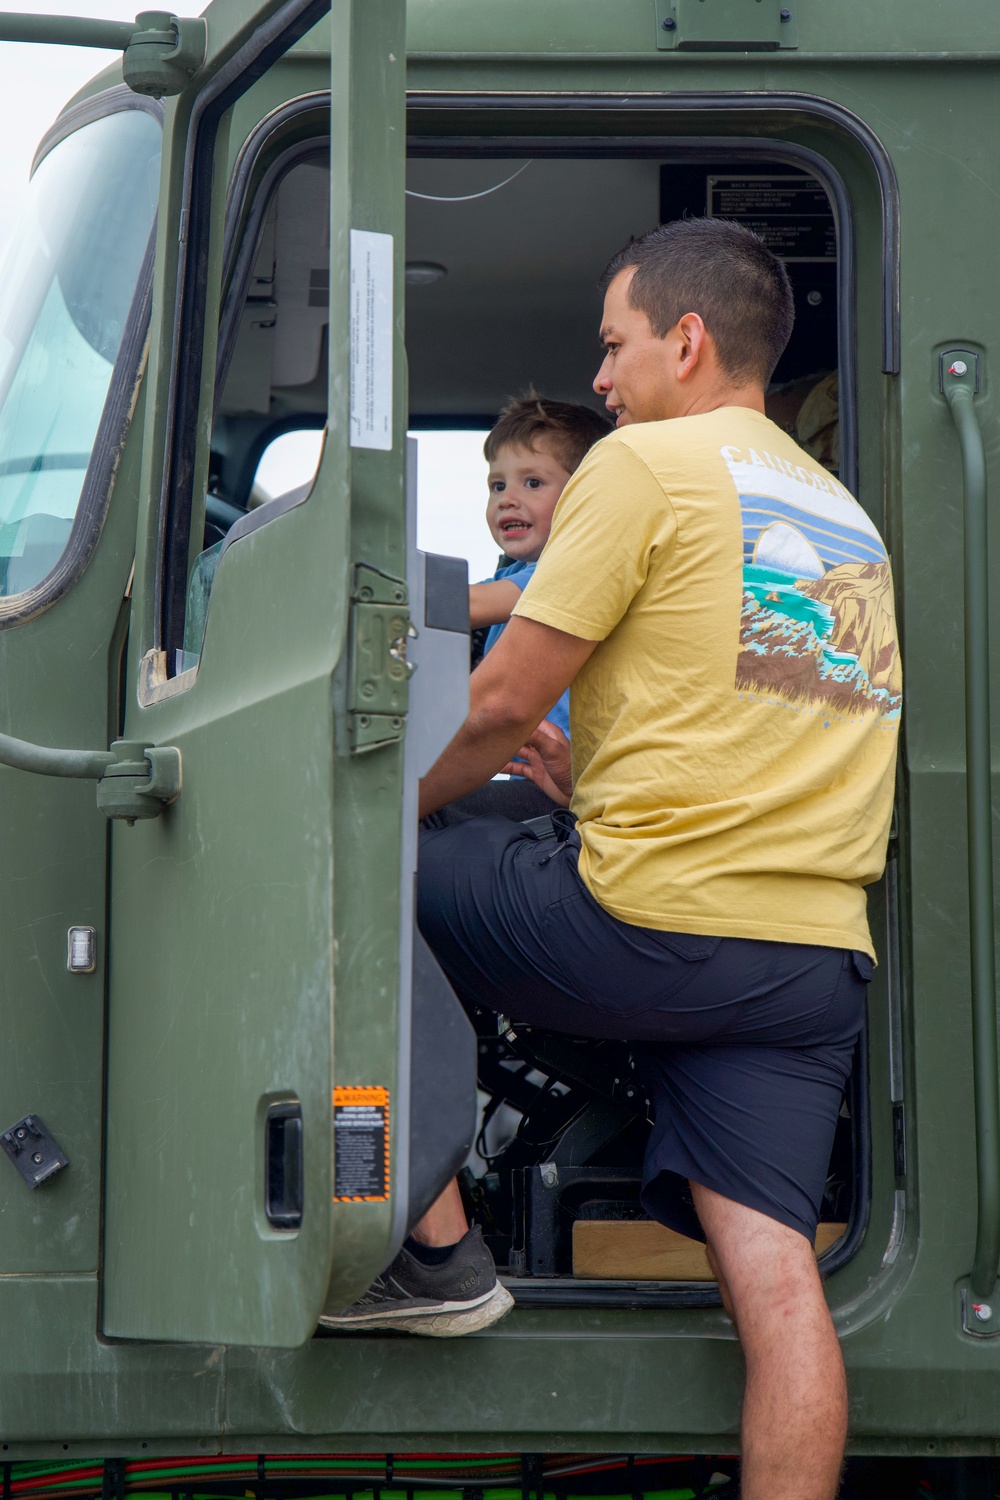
{"x":713,"y":397}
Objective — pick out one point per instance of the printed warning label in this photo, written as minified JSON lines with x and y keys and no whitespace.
{"x":371,"y":340}
{"x":360,"y":1145}
{"x":792,"y":215}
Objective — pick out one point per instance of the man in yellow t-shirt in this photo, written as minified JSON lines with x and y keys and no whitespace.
{"x":723,"y":610}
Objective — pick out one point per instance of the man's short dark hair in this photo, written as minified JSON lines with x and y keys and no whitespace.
{"x":723,"y":272}
{"x":572,"y":429}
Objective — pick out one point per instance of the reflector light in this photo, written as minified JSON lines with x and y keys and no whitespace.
{"x":81,"y":950}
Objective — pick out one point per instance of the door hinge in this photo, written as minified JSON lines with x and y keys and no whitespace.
{"x":378,"y":687}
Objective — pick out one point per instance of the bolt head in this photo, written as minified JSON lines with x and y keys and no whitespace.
{"x":668,"y":23}
{"x":959,"y":368}
{"x":38,"y":1158}
{"x":983,"y":1311}
{"x":786,"y":15}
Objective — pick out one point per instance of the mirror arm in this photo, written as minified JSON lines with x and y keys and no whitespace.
{"x":134,"y":781}
{"x":161,"y":52}
{"x":87,"y":765}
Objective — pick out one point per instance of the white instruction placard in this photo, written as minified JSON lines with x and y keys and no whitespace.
{"x":371,"y":340}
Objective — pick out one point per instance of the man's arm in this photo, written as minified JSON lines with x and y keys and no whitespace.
{"x":491,"y":603}
{"x":512,"y":690}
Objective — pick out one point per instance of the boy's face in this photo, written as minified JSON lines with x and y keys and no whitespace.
{"x":525,"y":484}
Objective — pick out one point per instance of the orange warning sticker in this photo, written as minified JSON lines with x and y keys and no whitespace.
{"x":360,"y":1145}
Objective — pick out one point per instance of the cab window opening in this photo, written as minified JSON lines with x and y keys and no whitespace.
{"x":501,"y":296}
{"x":504,"y":280}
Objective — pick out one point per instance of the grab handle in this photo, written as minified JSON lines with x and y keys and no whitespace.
{"x":959,"y":381}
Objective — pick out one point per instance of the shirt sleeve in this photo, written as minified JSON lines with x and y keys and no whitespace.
{"x":523,"y":576}
{"x":611,"y":520}
{"x":519,"y":576}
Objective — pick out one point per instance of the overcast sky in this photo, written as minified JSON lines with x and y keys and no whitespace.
{"x":35,"y":82}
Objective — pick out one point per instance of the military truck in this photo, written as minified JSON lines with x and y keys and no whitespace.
{"x":232,"y":1075}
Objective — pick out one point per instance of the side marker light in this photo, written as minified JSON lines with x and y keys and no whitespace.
{"x":81,"y":950}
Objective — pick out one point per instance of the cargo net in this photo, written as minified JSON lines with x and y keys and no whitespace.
{"x":367,"y":1476}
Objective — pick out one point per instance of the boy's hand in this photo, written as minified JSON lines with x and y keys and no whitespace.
{"x":546,"y":762}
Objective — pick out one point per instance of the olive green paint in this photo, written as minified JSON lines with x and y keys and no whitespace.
{"x":270,"y":793}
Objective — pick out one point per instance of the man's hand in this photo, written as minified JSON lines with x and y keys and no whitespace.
{"x":528,"y":670}
{"x":545,"y":760}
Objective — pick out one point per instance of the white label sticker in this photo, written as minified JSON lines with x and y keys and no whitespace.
{"x":371,"y":340}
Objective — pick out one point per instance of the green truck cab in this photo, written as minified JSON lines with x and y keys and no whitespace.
{"x":232,"y":1074}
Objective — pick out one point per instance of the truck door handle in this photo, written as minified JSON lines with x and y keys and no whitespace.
{"x":959,"y":380}
{"x":133,"y":780}
{"x":284,"y":1181}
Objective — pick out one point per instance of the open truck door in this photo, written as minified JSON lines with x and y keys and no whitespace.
{"x":289,"y":1081}
{"x":259,"y":1037}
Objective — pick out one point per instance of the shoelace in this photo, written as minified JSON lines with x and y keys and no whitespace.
{"x":375,"y":1293}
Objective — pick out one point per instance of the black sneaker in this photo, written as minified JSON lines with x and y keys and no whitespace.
{"x":462,"y":1295}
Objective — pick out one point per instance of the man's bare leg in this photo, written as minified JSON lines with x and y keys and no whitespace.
{"x":444,"y":1223}
{"x":794,"y":1423}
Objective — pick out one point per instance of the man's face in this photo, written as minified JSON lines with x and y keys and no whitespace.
{"x":637,"y":378}
{"x":525,"y":484}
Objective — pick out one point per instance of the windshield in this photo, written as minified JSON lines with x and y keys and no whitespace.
{"x":66,"y":286}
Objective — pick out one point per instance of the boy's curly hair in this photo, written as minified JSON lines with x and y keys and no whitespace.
{"x":572,"y":429}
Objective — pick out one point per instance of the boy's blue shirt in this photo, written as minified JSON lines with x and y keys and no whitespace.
{"x":519,"y":573}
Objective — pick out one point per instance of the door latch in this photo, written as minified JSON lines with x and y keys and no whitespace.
{"x":378,"y":685}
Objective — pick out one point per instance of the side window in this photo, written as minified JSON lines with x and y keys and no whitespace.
{"x":272,"y":400}
{"x":289,"y":461}
{"x":451,"y":488}
{"x":283,"y":476}
{"x":66,"y":290}
{"x":451,"y":498}
{"x":271,"y":377}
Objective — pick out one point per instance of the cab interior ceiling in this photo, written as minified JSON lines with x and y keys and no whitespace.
{"x":501,"y":292}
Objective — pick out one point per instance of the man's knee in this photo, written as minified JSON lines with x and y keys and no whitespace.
{"x":765,"y":1267}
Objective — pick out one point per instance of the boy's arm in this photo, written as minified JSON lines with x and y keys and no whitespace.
{"x":491,"y":603}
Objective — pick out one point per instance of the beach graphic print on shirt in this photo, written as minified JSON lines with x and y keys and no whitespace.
{"x":817,"y":625}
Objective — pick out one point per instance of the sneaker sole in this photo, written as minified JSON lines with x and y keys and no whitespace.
{"x":445,"y":1320}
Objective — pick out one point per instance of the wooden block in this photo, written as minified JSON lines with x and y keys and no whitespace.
{"x":641,"y":1250}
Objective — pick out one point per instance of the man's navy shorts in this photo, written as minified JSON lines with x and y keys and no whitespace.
{"x":746,"y":1045}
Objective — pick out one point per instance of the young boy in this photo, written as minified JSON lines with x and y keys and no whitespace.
{"x":532,"y":451}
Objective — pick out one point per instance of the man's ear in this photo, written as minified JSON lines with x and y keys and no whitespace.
{"x":691,"y":334}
